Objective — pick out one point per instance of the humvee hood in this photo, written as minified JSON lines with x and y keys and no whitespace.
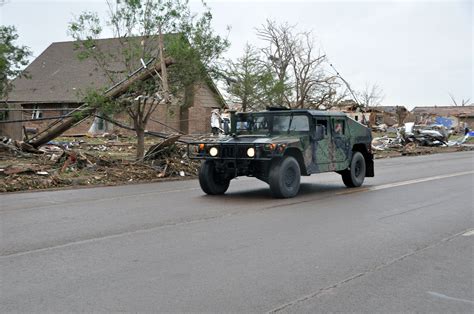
{"x":253,"y":139}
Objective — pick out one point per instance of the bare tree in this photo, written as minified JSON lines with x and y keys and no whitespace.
{"x":191,"y":50}
{"x":281,"y":46}
{"x":371,"y":96}
{"x":298,"y":66}
{"x":464,"y":102}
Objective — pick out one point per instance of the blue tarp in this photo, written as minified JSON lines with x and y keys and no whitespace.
{"x":447,"y":122}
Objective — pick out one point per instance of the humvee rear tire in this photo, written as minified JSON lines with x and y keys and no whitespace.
{"x":355,"y":175}
{"x":211,"y":182}
{"x":284,"y":178}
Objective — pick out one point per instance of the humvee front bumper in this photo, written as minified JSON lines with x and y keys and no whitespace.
{"x":233,"y":151}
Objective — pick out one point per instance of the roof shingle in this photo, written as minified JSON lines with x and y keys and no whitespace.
{"x":58,"y":75}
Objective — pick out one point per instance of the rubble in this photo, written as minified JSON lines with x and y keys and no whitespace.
{"x":412,"y":139}
{"x":432,"y":135}
{"x":68,"y":162}
{"x":418,"y":135}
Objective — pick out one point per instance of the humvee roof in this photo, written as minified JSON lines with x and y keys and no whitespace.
{"x":310,"y":111}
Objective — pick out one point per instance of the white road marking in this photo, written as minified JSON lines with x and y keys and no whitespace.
{"x":396,"y":184}
{"x":442,"y":296}
{"x":402,"y":183}
{"x":373,"y":188}
{"x":469,"y":233}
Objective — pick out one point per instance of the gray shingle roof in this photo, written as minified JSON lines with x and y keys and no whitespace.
{"x":57,"y":75}
{"x":445,"y":110}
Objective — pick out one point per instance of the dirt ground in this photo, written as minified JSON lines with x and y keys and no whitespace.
{"x":75,"y":162}
{"x":92,"y":161}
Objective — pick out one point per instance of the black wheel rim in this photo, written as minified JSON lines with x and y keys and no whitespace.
{"x":289,"y":177}
{"x":357,"y":168}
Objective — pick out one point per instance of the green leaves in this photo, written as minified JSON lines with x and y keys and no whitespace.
{"x":96,"y":99}
{"x":12,"y":58}
{"x":251,"y":81}
{"x":189,"y":38}
{"x":86,"y":26}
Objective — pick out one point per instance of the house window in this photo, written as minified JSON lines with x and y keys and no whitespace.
{"x":3,"y":115}
{"x":65,"y":110}
{"x":379,"y":119}
{"x":356,"y":118}
{"x":37,"y":113}
{"x":100,"y":124}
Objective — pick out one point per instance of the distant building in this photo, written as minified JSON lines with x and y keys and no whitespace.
{"x":388,"y":115}
{"x":450,"y":116}
{"x":352,"y":109}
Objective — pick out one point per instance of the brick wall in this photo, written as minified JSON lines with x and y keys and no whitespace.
{"x":11,"y":130}
{"x":166,"y":119}
{"x":51,"y":111}
{"x":200,"y":113}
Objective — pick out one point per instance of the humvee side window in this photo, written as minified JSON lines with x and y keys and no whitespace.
{"x":324,"y":123}
{"x":339,"y":127}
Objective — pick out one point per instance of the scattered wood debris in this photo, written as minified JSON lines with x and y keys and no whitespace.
{"x":91,"y":161}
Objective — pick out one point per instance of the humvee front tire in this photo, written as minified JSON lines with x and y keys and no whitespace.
{"x":355,"y":175}
{"x":210,"y":181}
{"x":284,"y":178}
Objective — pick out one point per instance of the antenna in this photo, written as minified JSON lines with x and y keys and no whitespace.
{"x":345,"y":82}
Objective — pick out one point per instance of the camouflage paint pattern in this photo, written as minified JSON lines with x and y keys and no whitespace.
{"x":332,"y":153}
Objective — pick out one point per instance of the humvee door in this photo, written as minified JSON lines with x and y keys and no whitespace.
{"x":321,"y":153}
{"x":340,"y":139}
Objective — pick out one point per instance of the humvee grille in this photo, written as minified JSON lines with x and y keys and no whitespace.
{"x":234,"y":151}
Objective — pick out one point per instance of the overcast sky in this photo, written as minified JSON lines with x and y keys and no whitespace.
{"x":417,"y":51}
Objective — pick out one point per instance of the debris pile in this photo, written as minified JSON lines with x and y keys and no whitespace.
{"x":432,"y":135}
{"x":411,"y":139}
{"x":89,"y":162}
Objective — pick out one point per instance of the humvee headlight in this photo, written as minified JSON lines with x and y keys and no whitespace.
{"x":213,"y":151}
{"x":251,"y":152}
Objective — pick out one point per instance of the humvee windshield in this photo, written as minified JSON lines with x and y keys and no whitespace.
{"x":270,"y":124}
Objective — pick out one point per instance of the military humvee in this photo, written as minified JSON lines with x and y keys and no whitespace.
{"x":279,"y":146}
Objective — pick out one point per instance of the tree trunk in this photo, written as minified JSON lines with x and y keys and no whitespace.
{"x":140,"y":142}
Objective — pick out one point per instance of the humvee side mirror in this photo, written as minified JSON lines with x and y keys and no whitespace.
{"x":319,"y":132}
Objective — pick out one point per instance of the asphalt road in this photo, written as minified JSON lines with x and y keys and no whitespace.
{"x":401,"y":243}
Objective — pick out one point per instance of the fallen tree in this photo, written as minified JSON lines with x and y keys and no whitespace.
{"x":85,"y":111}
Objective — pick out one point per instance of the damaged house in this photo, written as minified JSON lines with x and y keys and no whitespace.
{"x":452,"y":117}
{"x":58,"y":81}
{"x":352,"y":109}
{"x":389,"y":115}
{"x":379,"y":115}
